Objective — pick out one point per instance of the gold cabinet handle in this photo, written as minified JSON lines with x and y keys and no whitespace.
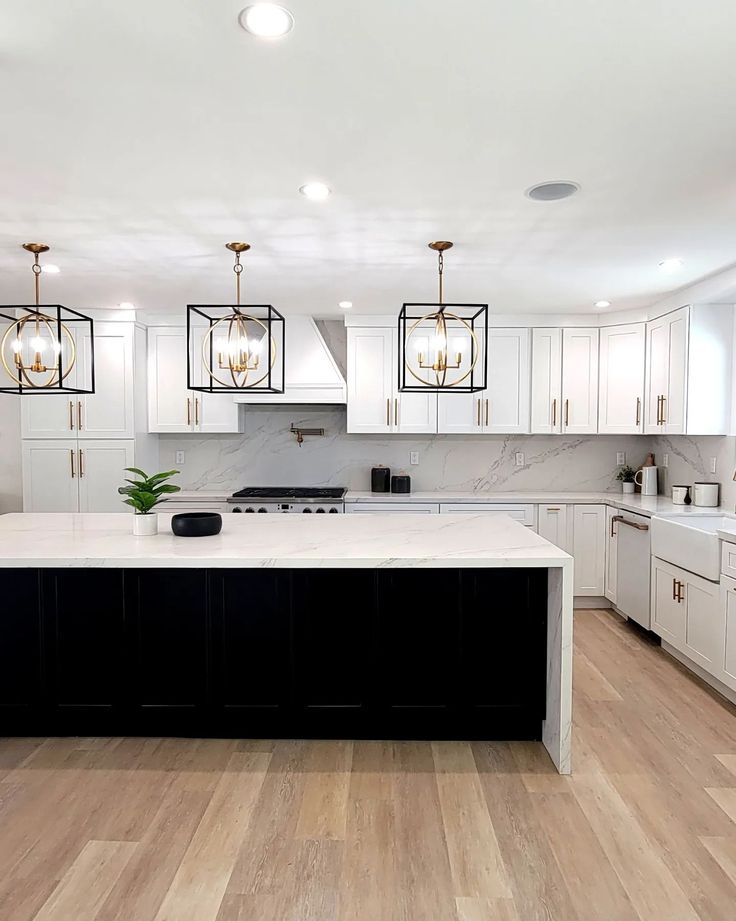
{"x":680,"y":592}
{"x":71,"y":416}
{"x":189,"y":411}
{"x":658,"y":413}
{"x":487,"y":412}
{"x":674,"y":589}
{"x":664,"y":413}
{"x":196,"y":411}
{"x":554,"y":412}
{"x":567,"y":413}
{"x":388,"y":411}
{"x":81,"y":462}
{"x":478,"y":416}
{"x":396,"y":411}
{"x":71,"y":461}
{"x":638,"y":412}
{"x":79,"y":415}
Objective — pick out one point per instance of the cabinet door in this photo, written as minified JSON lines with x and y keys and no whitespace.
{"x":50,"y":475}
{"x":546,"y":391}
{"x":413,"y":413}
{"x":676,"y":397}
{"x":657,"y":372}
{"x":611,"y":555}
{"x":506,"y":407}
{"x":704,"y":617}
{"x":211,"y":413}
{"x":621,"y":397}
{"x":580,"y":381}
{"x":101,"y":469}
{"x":668,"y":612}
{"x":553,"y":525}
{"x":370,"y":380}
{"x":461,"y":413}
{"x":108,"y":412}
{"x":20,"y":646}
{"x":728,"y":642}
{"x":170,"y":404}
{"x":589,"y":549}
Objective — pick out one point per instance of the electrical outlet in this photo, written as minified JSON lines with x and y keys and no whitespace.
{"x":413,"y":457}
{"x":179,"y":457}
{"x":519,"y":458}
{"x":620,"y":458}
{"x":712,"y":465}
{"x":665,"y":460}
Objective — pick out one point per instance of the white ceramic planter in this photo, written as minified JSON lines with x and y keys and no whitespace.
{"x":145,"y":525}
{"x":628,"y":487}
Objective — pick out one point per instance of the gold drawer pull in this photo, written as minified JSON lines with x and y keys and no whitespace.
{"x":71,"y":416}
{"x":189,"y":411}
{"x":71,"y":462}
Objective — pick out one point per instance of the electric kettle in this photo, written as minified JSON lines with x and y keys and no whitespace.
{"x":647,"y":479}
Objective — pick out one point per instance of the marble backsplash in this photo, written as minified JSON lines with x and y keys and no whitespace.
{"x":690,"y":462}
{"x":266,"y":454}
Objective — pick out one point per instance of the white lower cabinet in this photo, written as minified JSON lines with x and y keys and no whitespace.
{"x":524,"y":514}
{"x":412,"y":508}
{"x":728,"y":608}
{"x":611,"y":555}
{"x":589,"y":549}
{"x":75,"y":476}
{"x":553,"y":525}
{"x":687,"y":614}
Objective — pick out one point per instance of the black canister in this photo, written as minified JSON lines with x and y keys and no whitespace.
{"x":401,"y":483}
{"x":380,"y":479}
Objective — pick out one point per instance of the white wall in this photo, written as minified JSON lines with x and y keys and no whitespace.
{"x":11,"y":486}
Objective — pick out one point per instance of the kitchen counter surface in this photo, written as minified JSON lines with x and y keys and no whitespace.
{"x":645,"y":505}
{"x":280,"y":541}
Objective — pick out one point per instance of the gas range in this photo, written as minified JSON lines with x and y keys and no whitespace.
{"x":289,"y":500}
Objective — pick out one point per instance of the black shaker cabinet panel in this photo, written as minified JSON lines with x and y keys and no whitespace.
{"x":21,"y":679}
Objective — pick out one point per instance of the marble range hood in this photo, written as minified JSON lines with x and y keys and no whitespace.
{"x":312,"y":374}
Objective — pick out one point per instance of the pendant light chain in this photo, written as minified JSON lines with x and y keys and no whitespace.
{"x":238,"y":269}
{"x":440,"y":271}
{"x":37,"y":278}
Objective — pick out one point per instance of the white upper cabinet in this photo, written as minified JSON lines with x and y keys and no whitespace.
{"x":109,"y":411}
{"x":667,"y":339}
{"x":546,"y":395}
{"x":172,"y":407}
{"x":580,"y":381}
{"x":621,"y":392}
{"x":375,"y":404}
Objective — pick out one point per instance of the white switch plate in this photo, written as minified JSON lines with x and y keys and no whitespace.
{"x":712,"y":465}
{"x":413,"y":457}
{"x":179,"y":457}
{"x":665,"y":460}
{"x":519,"y":458}
{"x":620,"y":457}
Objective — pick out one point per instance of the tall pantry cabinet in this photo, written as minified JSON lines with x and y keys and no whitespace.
{"x":76,"y":446}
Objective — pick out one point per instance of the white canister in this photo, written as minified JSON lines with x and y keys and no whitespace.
{"x":145,"y":525}
{"x":706,"y":495}
{"x":679,"y":495}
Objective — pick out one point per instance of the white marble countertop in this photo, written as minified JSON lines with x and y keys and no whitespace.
{"x":281,"y":541}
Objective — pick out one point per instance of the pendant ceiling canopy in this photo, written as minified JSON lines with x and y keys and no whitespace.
{"x":442,"y":347}
{"x":235,"y":347}
{"x":45,"y":348}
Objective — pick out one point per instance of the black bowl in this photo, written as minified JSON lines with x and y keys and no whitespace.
{"x":196,"y":524}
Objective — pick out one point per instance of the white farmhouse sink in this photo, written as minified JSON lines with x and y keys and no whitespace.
{"x":691,"y":542}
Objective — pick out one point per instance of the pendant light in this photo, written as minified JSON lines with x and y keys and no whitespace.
{"x":443,"y":349}
{"x":234,"y":347}
{"x":39,"y":346}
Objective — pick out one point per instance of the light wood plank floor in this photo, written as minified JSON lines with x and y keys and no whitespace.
{"x":183,"y":830}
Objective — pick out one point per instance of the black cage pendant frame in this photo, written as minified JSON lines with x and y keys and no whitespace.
{"x":475,"y":318}
{"x":269,"y":377}
{"x":57,"y":320}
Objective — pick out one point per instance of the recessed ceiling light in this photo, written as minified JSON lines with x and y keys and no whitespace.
{"x":552,"y":191}
{"x":50,"y":269}
{"x":346,"y":305}
{"x":126,"y":305}
{"x":602,"y":304}
{"x":670,"y":265}
{"x":315,"y":191}
{"x":266,"y":20}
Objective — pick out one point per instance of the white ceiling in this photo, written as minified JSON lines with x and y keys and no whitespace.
{"x":139,"y":136}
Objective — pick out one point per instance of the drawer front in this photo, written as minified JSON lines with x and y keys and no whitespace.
{"x":524,"y":514}
{"x":407,"y":508}
{"x":728,"y":559}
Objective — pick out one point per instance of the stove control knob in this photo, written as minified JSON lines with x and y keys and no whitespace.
{"x":261,"y":510}
{"x":333,"y":511}
{"x":320,"y":510}
{"x":237,"y":509}
{"x":249,"y":509}
{"x":307,"y":511}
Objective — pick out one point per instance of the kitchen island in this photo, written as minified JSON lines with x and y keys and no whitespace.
{"x":287,"y":626}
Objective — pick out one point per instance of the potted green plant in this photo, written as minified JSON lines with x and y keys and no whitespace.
{"x":626,"y":474}
{"x":144,"y":494}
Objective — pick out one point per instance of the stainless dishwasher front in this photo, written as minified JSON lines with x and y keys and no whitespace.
{"x":633,"y":567}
